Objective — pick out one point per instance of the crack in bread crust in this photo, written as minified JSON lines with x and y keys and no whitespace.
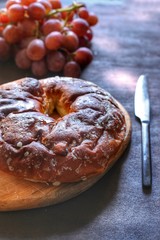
{"x":79,"y":143}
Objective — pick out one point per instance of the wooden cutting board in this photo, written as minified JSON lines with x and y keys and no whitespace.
{"x":18,"y":194}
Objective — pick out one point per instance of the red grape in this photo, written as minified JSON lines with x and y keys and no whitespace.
{"x":12,"y":34}
{"x":21,"y":59}
{"x":70,"y":41}
{"x":4,"y":50}
{"x":46,"y":4}
{"x":29,"y":27}
{"x":72,"y":69}
{"x":36,"y":50}
{"x":55,"y":4}
{"x":10,"y":2}
{"x":83,"y":13}
{"x":16,"y":13}
{"x":89,"y":34}
{"x":42,"y":35}
{"x":1,"y":30}
{"x":51,"y":25}
{"x":39,"y":68}
{"x":55,"y":61}
{"x":79,"y":26}
{"x":92,"y":19}
{"x":3,"y":16}
{"x":84,"y":42}
{"x":54,"y":40}
{"x":25,"y":42}
{"x":68,"y":15}
{"x":36,"y":11}
{"x":27,"y":2}
{"x":83,"y":56}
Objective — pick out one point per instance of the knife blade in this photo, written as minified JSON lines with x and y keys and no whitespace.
{"x":142,"y":111}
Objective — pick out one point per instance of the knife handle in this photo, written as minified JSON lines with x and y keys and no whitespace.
{"x":146,"y":156}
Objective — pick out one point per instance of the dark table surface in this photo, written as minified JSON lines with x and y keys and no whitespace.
{"x":125,"y":45}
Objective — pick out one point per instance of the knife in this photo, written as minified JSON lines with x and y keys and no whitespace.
{"x":142,"y":111}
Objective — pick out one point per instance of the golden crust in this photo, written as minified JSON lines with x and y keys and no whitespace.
{"x":60,"y":129}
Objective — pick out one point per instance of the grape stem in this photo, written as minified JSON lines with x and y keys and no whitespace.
{"x":73,"y":7}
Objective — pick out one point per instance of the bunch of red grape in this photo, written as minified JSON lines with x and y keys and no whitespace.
{"x":43,"y":36}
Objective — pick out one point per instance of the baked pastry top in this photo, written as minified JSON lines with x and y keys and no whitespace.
{"x":59,"y":129}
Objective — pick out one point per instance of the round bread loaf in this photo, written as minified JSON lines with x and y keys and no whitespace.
{"x":60,"y":129}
